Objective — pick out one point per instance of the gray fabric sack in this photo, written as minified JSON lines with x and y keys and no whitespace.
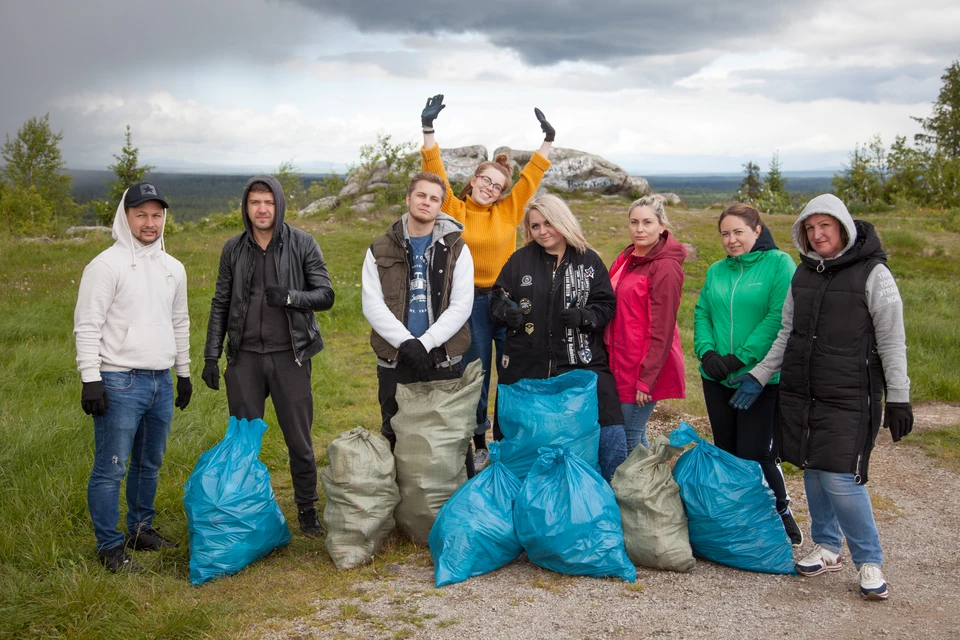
{"x":654,"y":522}
{"x":434,"y":426}
{"x":361,"y":488}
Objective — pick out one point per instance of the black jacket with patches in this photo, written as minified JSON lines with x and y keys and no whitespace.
{"x":301,"y":270}
{"x":543,"y":347}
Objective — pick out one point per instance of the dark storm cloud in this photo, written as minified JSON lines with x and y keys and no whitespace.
{"x":903,"y":85}
{"x":544,"y":32}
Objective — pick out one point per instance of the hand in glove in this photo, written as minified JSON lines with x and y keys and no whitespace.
{"x":432,"y":110}
{"x":93,"y":398}
{"x":513,"y":317}
{"x":898,"y":417}
{"x":714,"y":366}
{"x":211,"y":374}
{"x":732,"y":362}
{"x":277,"y":296}
{"x":184,"y":392}
{"x":415,"y":354}
{"x":571,"y":318}
{"x":549,"y":132}
{"x":747,"y":393}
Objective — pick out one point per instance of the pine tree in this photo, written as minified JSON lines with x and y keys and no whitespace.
{"x":942,"y":128}
{"x":128,"y":173}
{"x":773,"y":191}
{"x":750,"y":185}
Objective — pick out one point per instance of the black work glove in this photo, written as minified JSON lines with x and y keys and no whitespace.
{"x":277,"y":296}
{"x":898,"y":417}
{"x":714,"y":366}
{"x":211,"y":374}
{"x":571,"y":318}
{"x":732,"y":362}
{"x":549,"y":132}
{"x":93,"y":399}
{"x":184,"y":392}
{"x":514,"y":317}
{"x":432,"y":110}
{"x":415,"y":354}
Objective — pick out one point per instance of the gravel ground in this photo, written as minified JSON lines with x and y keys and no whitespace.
{"x":917,"y":512}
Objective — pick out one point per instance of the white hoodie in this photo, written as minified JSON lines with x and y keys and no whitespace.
{"x":132,"y":308}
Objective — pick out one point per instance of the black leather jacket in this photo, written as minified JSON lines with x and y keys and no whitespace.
{"x":300,"y":269}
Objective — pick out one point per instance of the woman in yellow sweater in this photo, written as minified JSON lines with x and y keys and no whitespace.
{"x":490,"y":216}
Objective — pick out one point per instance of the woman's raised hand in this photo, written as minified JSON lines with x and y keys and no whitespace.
{"x":549,"y":132}
{"x":431,"y":111}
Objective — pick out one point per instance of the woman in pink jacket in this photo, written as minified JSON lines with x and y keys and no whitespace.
{"x":643,"y":341}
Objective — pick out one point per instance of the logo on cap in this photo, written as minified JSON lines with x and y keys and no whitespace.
{"x":148,"y":190}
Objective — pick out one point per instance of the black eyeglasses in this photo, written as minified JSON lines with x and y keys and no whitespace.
{"x":490,"y":184}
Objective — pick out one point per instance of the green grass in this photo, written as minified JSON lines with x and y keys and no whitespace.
{"x":50,"y":582}
{"x":943,"y":445}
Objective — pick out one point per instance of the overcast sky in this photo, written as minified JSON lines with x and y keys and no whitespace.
{"x":689,"y":86}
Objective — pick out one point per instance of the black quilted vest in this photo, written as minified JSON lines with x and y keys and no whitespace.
{"x":831,"y":381}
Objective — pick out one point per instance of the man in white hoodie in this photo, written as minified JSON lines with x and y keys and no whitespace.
{"x":131,"y":326}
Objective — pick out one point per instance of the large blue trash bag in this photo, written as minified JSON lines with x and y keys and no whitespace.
{"x":568,"y":520}
{"x":731,"y":511}
{"x":555,"y":412}
{"x":474,"y":531}
{"x":232,"y":515}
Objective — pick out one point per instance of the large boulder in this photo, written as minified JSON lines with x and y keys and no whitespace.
{"x":317,"y":206}
{"x":460,"y":163}
{"x":574,"y":170}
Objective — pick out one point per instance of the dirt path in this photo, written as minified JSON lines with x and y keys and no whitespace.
{"x":918,"y":515}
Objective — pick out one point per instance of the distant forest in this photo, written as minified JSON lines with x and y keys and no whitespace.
{"x":193,"y":196}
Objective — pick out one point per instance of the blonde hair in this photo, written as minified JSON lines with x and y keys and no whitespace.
{"x":655,"y":203}
{"x":502,"y":164}
{"x":558,"y":214}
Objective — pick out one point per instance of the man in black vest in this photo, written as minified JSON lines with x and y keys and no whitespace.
{"x":417,"y":296}
{"x":272,"y":279}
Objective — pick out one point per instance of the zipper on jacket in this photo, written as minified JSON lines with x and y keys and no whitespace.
{"x":293,"y":342}
{"x":733,"y":293}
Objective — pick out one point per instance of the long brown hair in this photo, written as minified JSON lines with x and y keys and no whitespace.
{"x":502,"y":164}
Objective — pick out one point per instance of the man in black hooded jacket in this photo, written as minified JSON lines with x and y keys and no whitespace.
{"x":272,"y":279}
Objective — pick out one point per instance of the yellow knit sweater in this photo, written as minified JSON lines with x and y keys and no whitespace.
{"x":491,"y":231}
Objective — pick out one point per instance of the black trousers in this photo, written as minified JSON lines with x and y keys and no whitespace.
{"x":748,"y":433}
{"x":255,"y":376}
{"x":388,"y":379}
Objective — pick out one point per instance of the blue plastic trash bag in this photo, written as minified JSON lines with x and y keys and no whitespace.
{"x":474,"y":531}
{"x":555,"y":412}
{"x":731,"y":512}
{"x":568,"y":520}
{"x":232,"y":515}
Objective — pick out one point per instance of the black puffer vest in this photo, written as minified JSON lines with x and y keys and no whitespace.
{"x":831,"y":382}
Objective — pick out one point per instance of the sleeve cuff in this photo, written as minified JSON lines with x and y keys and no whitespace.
{"x":536,"y":160}
{"x":433,"y":153}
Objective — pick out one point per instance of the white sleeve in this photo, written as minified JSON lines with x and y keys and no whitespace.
{"x":375,"y":310}
{"x":461,"y":305}
{"x":97,"y":289}
{"x":181,"y":328}
{"x":886,"y":311}
{"x":771,"y":363}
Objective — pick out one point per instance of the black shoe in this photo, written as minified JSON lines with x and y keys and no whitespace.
{"x":792,"y":529}
{"x":117,"y":560}
{"x":310,"y":522}
{"x":149,"y":540}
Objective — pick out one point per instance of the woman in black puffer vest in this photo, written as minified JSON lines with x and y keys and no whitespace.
{"x":841,"y":350}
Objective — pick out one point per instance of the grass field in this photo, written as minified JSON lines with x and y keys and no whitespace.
{"x":50,"y":582}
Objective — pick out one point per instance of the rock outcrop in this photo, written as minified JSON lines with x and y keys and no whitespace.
{"x":574,"y":170}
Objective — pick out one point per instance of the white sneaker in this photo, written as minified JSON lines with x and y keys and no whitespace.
{"x":480,"y":460}
{"x":818,"y":561}
{"x":872,"y":584}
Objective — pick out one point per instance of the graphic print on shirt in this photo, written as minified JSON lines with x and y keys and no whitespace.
{"x":576,"y":293}
{"x":417,"y":319}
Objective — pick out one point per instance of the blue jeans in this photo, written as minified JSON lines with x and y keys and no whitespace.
{"x":635,"y":423}
{"x":483,"y":331}
{"x":613,"y":450}
{"x":135,"y":426}
{"x":839,"y":507}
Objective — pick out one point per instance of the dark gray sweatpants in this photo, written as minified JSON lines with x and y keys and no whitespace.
{"x":255,"y":376}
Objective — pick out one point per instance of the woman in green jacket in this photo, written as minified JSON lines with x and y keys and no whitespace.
{"x":737,"y":318}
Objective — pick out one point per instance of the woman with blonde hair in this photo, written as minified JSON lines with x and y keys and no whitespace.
{"x":643,"y":340}
{"x":490,"y":212}
{"x":554,"y":298}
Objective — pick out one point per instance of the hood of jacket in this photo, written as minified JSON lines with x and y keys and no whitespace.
{"x":443,"y":225}
{"x":667,"y":248}
{"x":830,"y":205}
{"x":280,"y":204}
{"x":764,"y":242}
{"x":125,"y":240}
